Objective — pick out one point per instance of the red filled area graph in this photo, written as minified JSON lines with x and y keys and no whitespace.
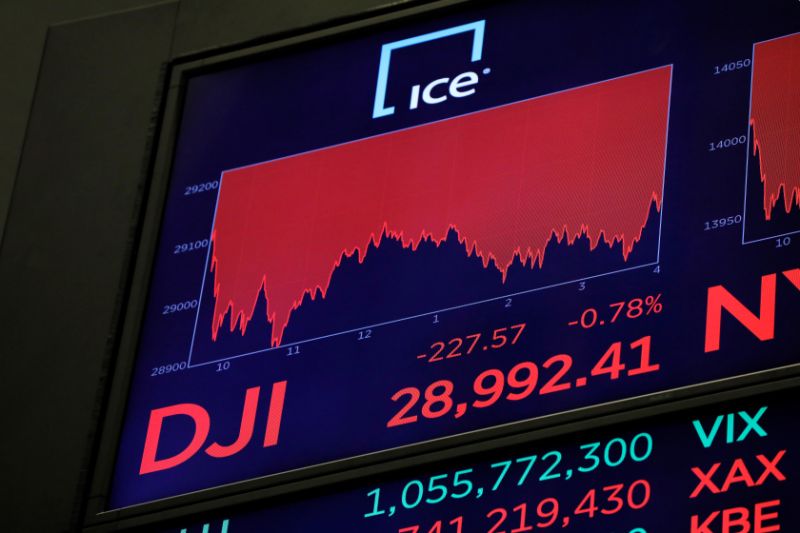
{"x":586,"y":162}
{"x":775,"y":120}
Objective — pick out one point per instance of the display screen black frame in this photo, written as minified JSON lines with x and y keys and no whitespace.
{"x":159,"y":160}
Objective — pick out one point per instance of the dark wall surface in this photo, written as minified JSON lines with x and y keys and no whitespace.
{"x":64,"y":251}
{"x":79,"y":102}
{"x":23,"y":30}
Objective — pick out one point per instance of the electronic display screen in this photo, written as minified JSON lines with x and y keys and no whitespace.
{"x":729,"y":467}
{"x":466,"y":219}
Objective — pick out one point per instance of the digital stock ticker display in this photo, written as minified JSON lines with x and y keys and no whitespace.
{"x":737,"y":465}
{"x":468,"y":219}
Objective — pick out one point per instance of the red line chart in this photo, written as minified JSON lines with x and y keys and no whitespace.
{"x":774,"y":123}
{"x":586,"y":162}
{"x":775,"y":119}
